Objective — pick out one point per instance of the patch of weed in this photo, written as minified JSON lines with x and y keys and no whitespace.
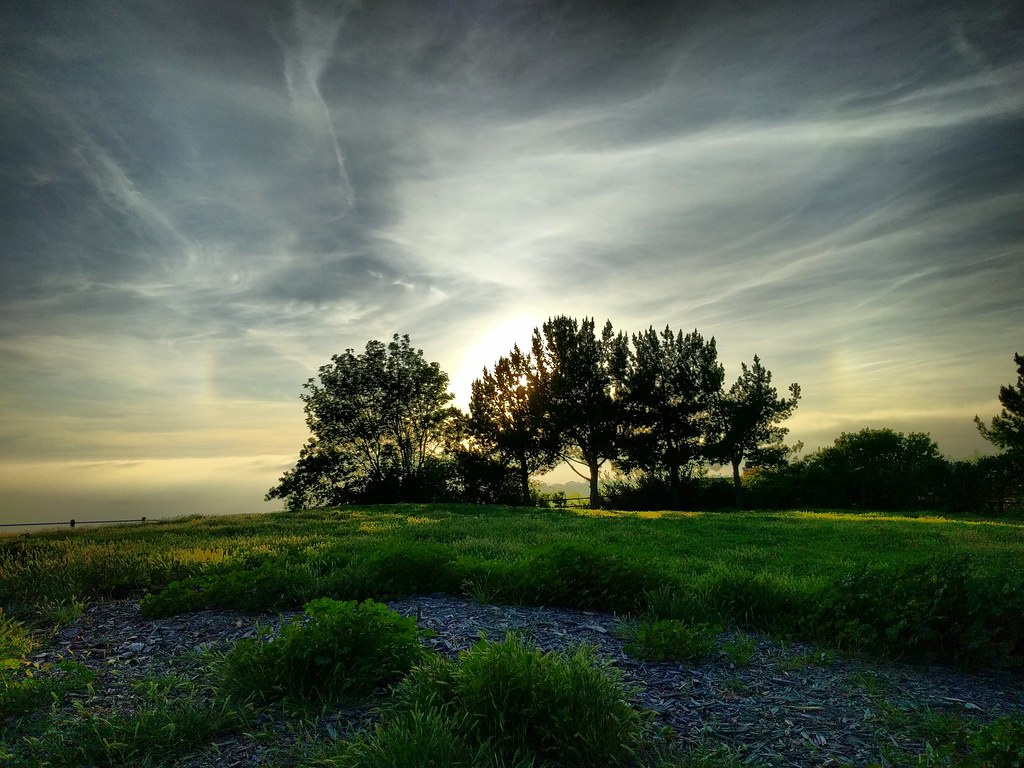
{"x":668,"y":640}
{"x":740,"y":650}
{"x":155,"y":735}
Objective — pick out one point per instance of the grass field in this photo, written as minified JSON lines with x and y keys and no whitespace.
{"x":924,"y":588}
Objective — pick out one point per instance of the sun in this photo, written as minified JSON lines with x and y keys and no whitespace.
{"x":493,"y":341}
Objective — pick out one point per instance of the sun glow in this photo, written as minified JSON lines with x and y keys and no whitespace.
{"x":492,"y":342}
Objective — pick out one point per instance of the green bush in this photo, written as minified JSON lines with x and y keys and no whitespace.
{"x":938,"y":610}
{"x":520,"y":704}
{"x":255,"y":586}
{"x":338,"y":651}
{"x":740,"y":650}
{"x":669,"y":639}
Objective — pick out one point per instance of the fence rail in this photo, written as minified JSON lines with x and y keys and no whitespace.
{"x":72,"y":522}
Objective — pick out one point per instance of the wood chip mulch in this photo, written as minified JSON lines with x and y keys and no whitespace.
{"x":791,"y":705}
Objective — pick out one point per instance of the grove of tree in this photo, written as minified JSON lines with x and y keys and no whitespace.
{"x":651,"y":406}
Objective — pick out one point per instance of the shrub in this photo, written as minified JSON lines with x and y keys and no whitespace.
{"x":740,"y":650}
{"x":938,"y":610}
{"x":338,"y":651}
{"x":669,"y":639}
{"x":526,"y":706}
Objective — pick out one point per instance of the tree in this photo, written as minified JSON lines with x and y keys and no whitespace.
{"x":377,"y":419}
{"x":506,"y":416}
{"x":747,"y":420}
{"x":1005,"y":472}
{"x":669,"y":387}
{"x":877,"y":469}
{"x":576,"y":374}
{"x":1006,"y":431}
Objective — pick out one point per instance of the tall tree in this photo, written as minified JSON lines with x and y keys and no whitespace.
{"x":376,"y":419}
{"x":576,"y":372}
{"x":669,"y":388}
{"x":748,"y":420}
{"x":1006,"y":431}
{"x":506,"y":416}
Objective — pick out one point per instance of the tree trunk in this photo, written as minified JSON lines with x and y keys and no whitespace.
{"x":673,"y":487}
{"x":524,"y":480}
{"x":595,"y":496}
{"x":737,"y":482}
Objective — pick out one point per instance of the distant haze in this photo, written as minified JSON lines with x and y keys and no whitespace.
{"x":203,"y":200}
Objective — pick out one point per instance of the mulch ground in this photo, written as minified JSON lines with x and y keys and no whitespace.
{"x":792,"y":705}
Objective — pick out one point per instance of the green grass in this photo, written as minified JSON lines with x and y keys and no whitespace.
{"x":917,"y":588}
{"x":794,"y":573}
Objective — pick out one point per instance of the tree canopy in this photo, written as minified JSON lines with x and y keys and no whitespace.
{"x":748,"y":421}
{"x":668,"y":390}
{"x":506,"y":417}
{"x":376,"y":419}
{"x":575,"y":369}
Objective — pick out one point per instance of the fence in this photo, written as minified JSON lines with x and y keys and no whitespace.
{"x":72,"y":523}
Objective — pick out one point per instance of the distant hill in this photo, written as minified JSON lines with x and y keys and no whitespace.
{"x":570,"y":489}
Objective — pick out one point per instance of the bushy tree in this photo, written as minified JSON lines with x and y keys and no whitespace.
{"x":668,"y":390}
{"x":748,"y":419}
{"x":878,"y":469}
{"x":376,"y":419}
{"x":576,"y":372}
{"x":506,"y":417}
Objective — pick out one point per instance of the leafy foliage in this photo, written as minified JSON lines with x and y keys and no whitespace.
{"x":747,"y":420}
{"x":869,"y":469}
{"x":155,"y":735}
{"x":936,"y":610}
{"x":576,"y":371}
{"x":575,"y":575}
{"x":506,"y":416}
{"x":375,"y":420}
{"x":667,"y":391}
{"x":999,"y":744}
{"x":339,"y":651}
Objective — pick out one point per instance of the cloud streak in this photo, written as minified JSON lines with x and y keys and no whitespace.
{"x":203,"y":202}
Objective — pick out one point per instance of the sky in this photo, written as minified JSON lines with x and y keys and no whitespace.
{"x":203,"y":201}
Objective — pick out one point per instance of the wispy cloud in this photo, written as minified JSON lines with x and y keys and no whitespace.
{"x":204,"y":203}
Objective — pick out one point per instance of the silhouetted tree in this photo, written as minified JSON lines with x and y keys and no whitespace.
{"x":1006,"y":431}
{"x":669,"y":387}
{"x":877,"y":469}
{"x":1005,"y":472}
{"x":376,"y":420}
{"x":506,"y":416}
{"x":576,"y":373}
{"x":747,"y":422}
